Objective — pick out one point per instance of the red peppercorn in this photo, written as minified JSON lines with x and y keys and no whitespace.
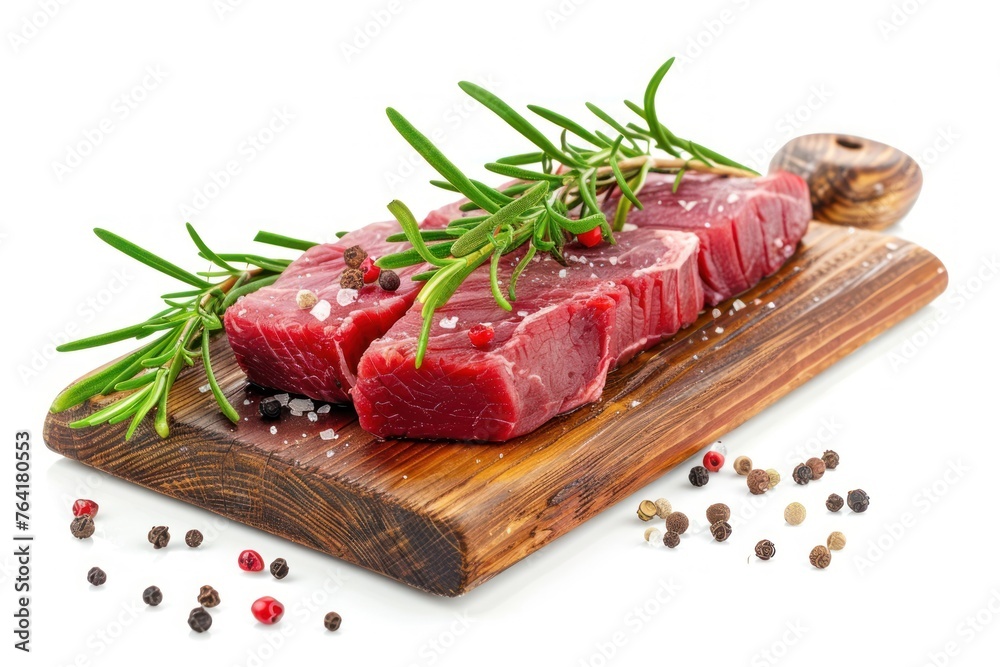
{"x":481,"y":335}
{"x":714,"y":460}
{"x":84,"y":506}
{"x":250,"y":561}
{"x":370,"y":270}
{"x":591,"y":238}
{"x":267,"y":610}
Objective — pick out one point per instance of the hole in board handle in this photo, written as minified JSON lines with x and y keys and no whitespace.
{"x":849,"y":144}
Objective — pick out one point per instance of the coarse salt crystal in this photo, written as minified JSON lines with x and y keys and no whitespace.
{"x":629,"y":227}
{"x":720,"y":209}
{"x":448,"y":322}
{"x":708,"y":225}
{"x":321,"y":310}
{"x":770,"y":304}
{"x":522,"y":313}
{"x":892,"y":246}
{"x":274,"y":430}
{"x":716,"y":313}
{"x":246,"y":401}
{"x":295,"y":413}
{"x":329,"y":453}
{"x":323,"y":409}
{"x":312,"y":416}
{"x":300,"y":404}
{"x":732,"y":198}
{"x":346,"y":296}
{"x":634,"y":404}
{"x":562,"y":273}
{"x":738,"y":305}
{"x":613,"y":260}
{"x":203,"y":388}
{"x":281,"y":398}
{"x":328,"y":434}
{"x":778,"y":243}
{"x":243,"y":311}
{"x":719,"y":330}
{"x":757,"y":302}
{"x":687,"y":205}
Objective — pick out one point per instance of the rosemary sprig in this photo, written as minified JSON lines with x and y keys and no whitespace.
{"x":555,"y":199}
{"x":182,"y":333}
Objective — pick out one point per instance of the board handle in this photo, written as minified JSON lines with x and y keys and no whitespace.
{"x":853,"y":181}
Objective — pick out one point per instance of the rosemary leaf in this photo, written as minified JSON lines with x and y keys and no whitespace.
{"x":149,"y":259}
{"x":515,"y":120}
{"x":439,"y":162}
{"x":281,"y":241}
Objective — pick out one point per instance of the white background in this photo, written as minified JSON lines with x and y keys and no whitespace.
{"x":903,"y":412}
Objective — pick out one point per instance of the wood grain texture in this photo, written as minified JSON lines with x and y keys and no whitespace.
{"x":445,"y":517}
{"x":852,"y":180}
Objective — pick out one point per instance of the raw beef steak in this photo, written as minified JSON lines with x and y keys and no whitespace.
{"x":316,"y":351}
{"x":748,"y":227}
{"x":551,"y":353}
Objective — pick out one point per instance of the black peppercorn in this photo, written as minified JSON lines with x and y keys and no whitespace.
{"x":199,"y":619}
{"x":857,"y":500}
{"x":758,"y":481}
{"x":388,"y":280}
{"x":159,"y":536}
{"x":765,"y":550}
{"x":819,"y":557}
{"x":96,"y":576}
{"x":332,"y":621}
{"x":698,"y":476}
{"x":354,"y":256}
{"x":269,"y":408}
{"x":817,"y":466}
{"x":721,"y":530}
{"x":352,"y":279}
{"x":717,"y":512}
{"x":802,"y":474}
{"x":834,"y":502}
{"x":279,"y":568}
{"x":193,"y":538}
{"x":831,"y":459}
{"x":208,"y":597}
{"x":82,"y":527}
{"x":671,"y":539}
{"x":677,"y":522}
{"x":152,"y":596}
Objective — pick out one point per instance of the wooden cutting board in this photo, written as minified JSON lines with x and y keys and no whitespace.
{"x":445,"y":517}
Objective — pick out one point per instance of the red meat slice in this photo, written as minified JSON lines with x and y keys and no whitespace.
{"x":315,"y":352}
{"x":748,"y":227}
{"x":550,"y":354}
